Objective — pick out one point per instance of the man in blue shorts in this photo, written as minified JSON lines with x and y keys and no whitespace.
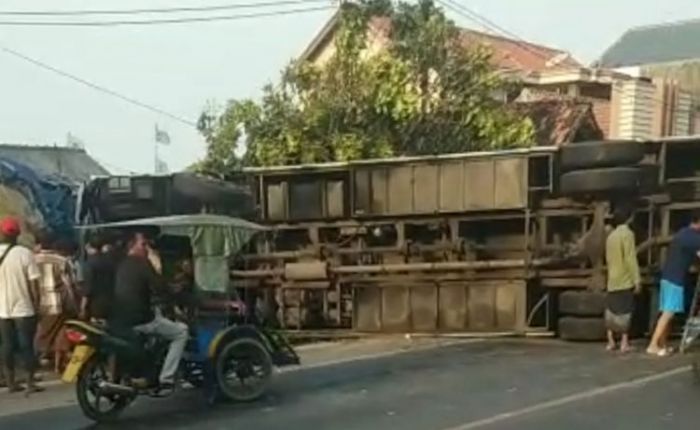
{"x":684,"y":249}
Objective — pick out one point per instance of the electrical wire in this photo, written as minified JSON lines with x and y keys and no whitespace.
{"x":96,"y":87}
{"x":161,"y":21}
{"x":488,"y":24}
{"x":181,"y":9}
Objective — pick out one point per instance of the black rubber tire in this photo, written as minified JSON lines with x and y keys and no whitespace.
{"x":264,"y":361}
{"x":600,"y":180}
{"x":582,"y":329}
{"x":596,"y":154}
{"x":582,"y":303}
{"x":83,"y":386}
{"x":649,"y":182}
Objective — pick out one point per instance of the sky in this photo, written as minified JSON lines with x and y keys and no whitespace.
{"x":180,"y":68}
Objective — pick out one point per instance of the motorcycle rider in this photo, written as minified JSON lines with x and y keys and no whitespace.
{"x":137,"y":278}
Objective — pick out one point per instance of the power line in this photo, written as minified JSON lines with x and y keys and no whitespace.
{"x":490,"y":25}
{"x":485,"y":22}
{"x":97,"y":87}
{"x":211,"y":8}
{"x":161,"y":21}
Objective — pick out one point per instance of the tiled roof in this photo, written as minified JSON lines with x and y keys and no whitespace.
{"x":655,"y":44}
{"x":508,"y":54}
{"x":73,"y":164}
{"x":560,"y":121}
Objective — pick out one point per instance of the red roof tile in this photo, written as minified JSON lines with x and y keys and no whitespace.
{"x":508,"y":54}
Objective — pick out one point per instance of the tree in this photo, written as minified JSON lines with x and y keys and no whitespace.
{"x":426,"y":93}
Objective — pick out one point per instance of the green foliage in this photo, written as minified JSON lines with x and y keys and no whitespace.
{"x":423,"y":93}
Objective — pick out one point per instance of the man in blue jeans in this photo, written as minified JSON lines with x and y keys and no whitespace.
{"x":684,"y":249}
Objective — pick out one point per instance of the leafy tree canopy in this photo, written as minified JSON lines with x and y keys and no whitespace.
{"x":424,"y":92}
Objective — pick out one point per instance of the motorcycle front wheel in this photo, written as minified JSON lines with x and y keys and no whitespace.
{"x":96,"y":405}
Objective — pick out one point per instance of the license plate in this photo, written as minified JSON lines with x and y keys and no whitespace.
{"x":81,"y":354}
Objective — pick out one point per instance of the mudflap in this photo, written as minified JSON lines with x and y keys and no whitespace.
{"x":81,"y":354}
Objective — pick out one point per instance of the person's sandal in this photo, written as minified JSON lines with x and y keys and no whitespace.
{"x":663,"y":352}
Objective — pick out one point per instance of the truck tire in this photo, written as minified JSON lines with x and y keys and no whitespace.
{"x":596,"y":154}
{"x":582,"y":303}
{"x":582,"y":329}
{"x":649,"y":182}
{"x":600,"y":180}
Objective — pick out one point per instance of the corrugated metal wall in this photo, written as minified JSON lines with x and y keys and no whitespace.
{"x":633,"y":107}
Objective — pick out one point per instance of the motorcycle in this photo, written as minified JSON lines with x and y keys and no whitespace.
{"x":111,"y":368}
{"x":227,"y":356}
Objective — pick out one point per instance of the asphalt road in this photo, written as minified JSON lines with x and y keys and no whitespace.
{"x":486,"y":385}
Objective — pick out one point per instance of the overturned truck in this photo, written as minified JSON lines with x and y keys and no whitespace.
{"x":508,"y":241}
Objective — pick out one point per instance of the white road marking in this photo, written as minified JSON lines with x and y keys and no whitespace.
{"x":583,"y":395}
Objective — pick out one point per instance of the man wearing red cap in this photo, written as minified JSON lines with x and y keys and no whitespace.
{"x":19,"y":304}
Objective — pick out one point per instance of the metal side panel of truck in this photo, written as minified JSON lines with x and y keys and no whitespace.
{"x":461,"y":242}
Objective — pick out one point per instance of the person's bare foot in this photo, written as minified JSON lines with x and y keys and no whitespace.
{"x":625,"y":349}
{"x":610,"y":347}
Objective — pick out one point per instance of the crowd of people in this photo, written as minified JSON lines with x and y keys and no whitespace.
{"x":42,"y":288}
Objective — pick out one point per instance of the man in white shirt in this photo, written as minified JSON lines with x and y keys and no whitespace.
{"x":19,"y":304}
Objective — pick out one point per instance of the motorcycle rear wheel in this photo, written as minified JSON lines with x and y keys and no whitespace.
{"x":95,"y":405}
{"x":243,"y":370}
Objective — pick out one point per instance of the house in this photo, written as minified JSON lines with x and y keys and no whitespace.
{"x":669,"y":55}
{"x":669,"y":51}
{"x":71,"y":164}
{"x":509,"y":55}
{"x":625,"y":106}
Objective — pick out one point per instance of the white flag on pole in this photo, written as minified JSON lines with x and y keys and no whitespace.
{"x":162,"y":137}
{"x":161,"y":167}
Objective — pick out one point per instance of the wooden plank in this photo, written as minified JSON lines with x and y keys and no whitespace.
{"x":379,"y":192}
{"x":479,"y":185}
{"x":511,"y":306}
{"x":451,"y":186}
{"x":362,"y":192}
{"x":396,"y":309}
{"x":367,"y":309}
{"x":400,"y":190}
{"x":424,"y":307}
{"x":565,"y":282}
{"x":481,"y":307}
{"x":510,"y":188}
{"x":277,"y":201}
{"x":452,"y":311}
{"x":506,"y":306}
{"x":335,"y":199}
{"x":425,"y":188}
